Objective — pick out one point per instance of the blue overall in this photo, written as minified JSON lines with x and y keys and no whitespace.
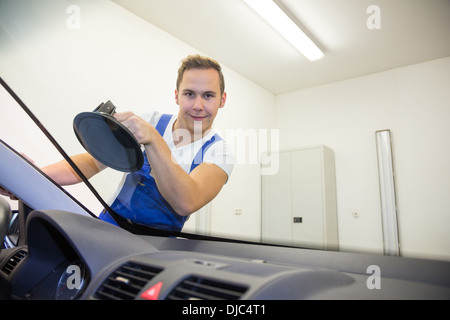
{"x":140,"y":201}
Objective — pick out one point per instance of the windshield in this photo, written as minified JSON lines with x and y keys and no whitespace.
{"x":302,"y":167}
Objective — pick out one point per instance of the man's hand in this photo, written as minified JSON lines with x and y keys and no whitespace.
{"x":141,"y":129}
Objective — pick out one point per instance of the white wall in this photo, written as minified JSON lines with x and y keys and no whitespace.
{"x":118,"y":56}
{"x":414,"y":103}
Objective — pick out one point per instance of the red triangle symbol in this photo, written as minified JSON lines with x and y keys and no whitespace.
{"x":153,"y":292}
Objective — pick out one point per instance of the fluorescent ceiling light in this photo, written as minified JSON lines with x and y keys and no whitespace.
{"x":268,"y":10}
{"x":387,"y":193}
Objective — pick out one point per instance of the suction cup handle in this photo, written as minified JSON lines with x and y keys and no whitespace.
{"x":106,"y":107}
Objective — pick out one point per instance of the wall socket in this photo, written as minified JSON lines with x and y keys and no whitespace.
{"x":237,"y":211}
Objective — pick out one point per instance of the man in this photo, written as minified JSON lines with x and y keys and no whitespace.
{"x":186,"y":163}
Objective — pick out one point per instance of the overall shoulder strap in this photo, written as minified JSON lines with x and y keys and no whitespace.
{"x":198,"y":159}
{"x":162,"y":123}
{"x":161,"y":128}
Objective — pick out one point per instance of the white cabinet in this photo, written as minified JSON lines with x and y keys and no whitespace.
{"x":299,"y":200}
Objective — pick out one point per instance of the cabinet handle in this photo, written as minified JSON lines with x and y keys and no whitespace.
{"x":298,"y":219}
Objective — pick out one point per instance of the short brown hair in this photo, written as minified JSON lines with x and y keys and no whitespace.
{"x":197,"y":61}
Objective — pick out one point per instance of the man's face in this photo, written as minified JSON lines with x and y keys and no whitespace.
{"x":199,"y":99}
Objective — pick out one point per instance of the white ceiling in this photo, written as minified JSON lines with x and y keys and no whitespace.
{"x":412,"y":31}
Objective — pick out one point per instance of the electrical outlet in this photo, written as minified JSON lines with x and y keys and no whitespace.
{"x":237,"y":211}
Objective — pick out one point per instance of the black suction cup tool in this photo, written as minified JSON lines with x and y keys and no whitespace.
{"x":107,"y":140}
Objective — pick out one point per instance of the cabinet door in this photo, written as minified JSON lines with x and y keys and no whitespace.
{"x":276,"y":204}
{"x":307,"y":198}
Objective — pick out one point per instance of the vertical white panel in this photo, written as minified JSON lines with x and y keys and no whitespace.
{"x":387,"y":193}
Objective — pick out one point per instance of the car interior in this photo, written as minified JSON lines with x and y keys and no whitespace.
{"x":186,"y":269}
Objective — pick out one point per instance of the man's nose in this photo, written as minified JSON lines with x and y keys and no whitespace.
{"x":198,"y":103}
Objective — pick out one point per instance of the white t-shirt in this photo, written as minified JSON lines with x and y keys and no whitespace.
{"x":219,"y":153}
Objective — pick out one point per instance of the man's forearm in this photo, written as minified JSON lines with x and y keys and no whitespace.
{"x":62,"y":173}
{"x":176,"y":186}
{"x":186,"y":193}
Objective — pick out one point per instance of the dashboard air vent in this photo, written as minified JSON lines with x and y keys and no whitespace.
{"x":14,"y":261}
{"x":126,"y":282}
{"x":196,"y":288}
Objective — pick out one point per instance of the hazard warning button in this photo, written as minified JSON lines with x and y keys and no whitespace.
{"x":153,"y":292}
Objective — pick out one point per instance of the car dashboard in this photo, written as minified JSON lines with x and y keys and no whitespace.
{"x":69,"y":256}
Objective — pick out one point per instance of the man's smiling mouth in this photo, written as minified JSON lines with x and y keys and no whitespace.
{"x":198,"y":118}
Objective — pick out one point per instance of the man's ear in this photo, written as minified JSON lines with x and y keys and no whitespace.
{"x":224,"y":99}
{"x":176,"y":97}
